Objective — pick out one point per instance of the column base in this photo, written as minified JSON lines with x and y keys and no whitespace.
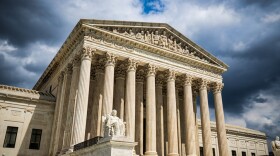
{"x":150,"y":153}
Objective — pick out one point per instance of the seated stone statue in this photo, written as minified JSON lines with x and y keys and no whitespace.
{"x":113,"y":125}
{"x":276,"y":146}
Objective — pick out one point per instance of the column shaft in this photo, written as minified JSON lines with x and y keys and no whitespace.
{"x":139,"y":118}
{"x":178,"y":122}
{"x":80,"y":115}
{"x":108,"y":85}
{"x":205,"y":119}
{"x":96,"y":121}
{"x":130,"y":99}
{"x":159,"y":116}
{"x":220,"y":121}
{"x":151,"y":112}
{"x":119,"y":89}
{"x":189,"y":118}
{"x":172,"y":116}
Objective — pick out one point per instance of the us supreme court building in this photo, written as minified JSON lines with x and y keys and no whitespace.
{"x":150,"y":73}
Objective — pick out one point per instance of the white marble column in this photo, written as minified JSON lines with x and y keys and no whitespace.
{"x":189,"y":117}
{"x":71,"y":104}
{"x":178,"y":120}
{"x":130,"y":98}
{"x":205,"y":118}
{"x":159,"y":116}
{"x":139,"y":118}
{"x":108,"y":90}
{"x":96,"y":122}
{"x":56,"y":112}
{"x":119,"y":89}
{"x":172,"y":115}
{"x":220,"y":120}
{"x":151,"y":111}
{"x":80,"y":115}
{"x":195,"y":93}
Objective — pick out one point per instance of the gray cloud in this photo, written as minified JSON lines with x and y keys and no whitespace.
{"x":244,"y":34}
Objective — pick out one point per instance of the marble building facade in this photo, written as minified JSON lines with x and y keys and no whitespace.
{"x":150,"y":73}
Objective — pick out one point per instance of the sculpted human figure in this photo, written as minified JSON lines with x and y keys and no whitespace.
{"x":113,"y":125}
{"x":171,"y":43}
{"x":186,"y":50}
{"x":163,"y":39}
{"x":155,"y":38}
{"x":148,"y":37}
{"x":140,"y":36}
{"x":179,"y":48}
{"x":276,"y":146}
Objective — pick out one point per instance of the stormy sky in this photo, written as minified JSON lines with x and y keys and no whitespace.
{"x":245,"y":34}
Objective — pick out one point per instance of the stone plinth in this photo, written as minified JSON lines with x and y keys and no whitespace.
{"x":110,"y":146}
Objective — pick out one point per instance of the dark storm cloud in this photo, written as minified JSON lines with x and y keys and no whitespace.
{"x":23,"y":22}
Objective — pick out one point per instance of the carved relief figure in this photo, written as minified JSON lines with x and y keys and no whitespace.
{"x":276,"y":146}
{"x":163,"y":40}
{"x":155,"y":38}
{"x":140,"y":36}
{"x":113,"y":125}
{"x":148,"y":37}
{"x":171,"y":43}
{"x":186,"y":50}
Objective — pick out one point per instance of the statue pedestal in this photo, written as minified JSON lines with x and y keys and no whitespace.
{"x":109,"y":146}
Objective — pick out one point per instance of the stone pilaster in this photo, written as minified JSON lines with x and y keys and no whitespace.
{"x":150,"y":111}
{"x":189,"y":117}
{"x":108,"y":84}
{"x":172,"y":115}
{"x":205,"y":118}
{"x":178,"y":120}
{"x":130,"y":98}
{"x":63,"y":109}
{"x":71,"y":104}
{"x":56,"y":113}
{"x":80,"y":115}
{"x":220,"y":120}
{"x":139,"y":118}
{"x":159,"y":114}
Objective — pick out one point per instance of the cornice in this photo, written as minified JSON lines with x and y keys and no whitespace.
{"x":22,"y":93}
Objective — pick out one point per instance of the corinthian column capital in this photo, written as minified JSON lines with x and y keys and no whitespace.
{"x":203,"y":84}
{"x":151,"y":70}
{"x":87,"y":52}
{"x":188,"y":80}
{"x":131,"y":65}
{"x":171,"y":75}
{"x":110,"y":59}
{"x":217,"y":87}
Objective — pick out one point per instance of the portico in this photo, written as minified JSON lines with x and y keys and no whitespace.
{"x":146,"y":71}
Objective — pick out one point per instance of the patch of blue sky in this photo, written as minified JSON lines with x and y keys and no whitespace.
{"x":152,"y":6}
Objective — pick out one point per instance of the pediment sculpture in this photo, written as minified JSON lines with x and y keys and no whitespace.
{"x":154,"y":37}
{"x":113,"y":125}
{"x":276,"y":146}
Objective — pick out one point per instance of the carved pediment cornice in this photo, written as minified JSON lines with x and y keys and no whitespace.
{"x":108,"y":38}
{"x":118,"y":35}
{"x":157,"y":34}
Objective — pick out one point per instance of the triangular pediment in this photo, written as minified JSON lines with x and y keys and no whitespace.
{"x":157,"y":34}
